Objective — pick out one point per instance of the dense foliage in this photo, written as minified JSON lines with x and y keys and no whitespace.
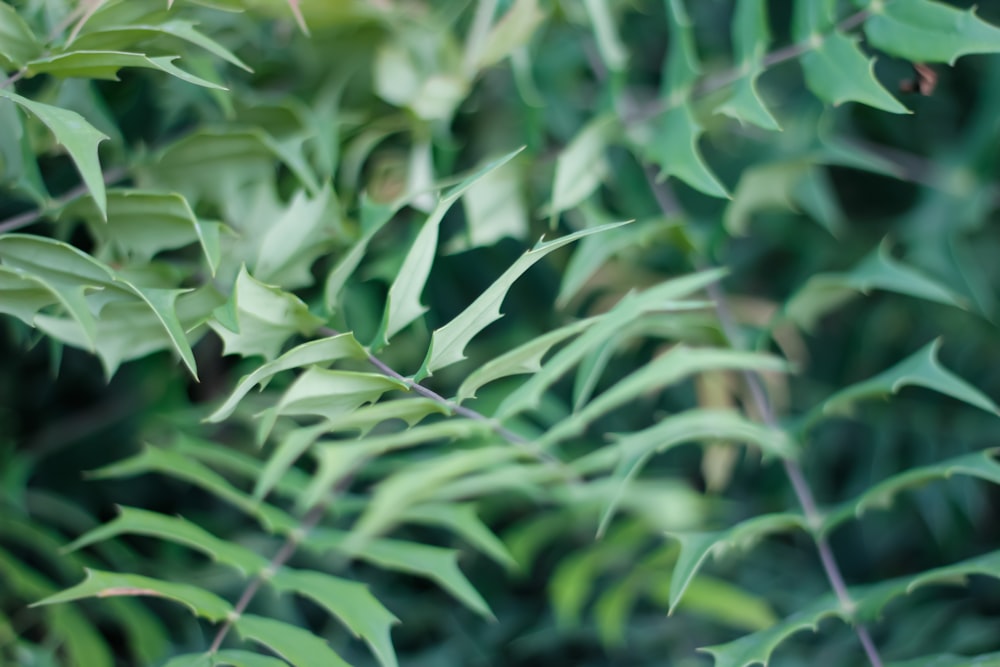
{"x":258,"y":405}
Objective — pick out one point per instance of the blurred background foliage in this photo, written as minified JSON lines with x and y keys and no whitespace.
{"x":382,"y":100}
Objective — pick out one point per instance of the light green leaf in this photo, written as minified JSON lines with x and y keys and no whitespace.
{"x":448,"y":343}
{"x":925,"y":31}
{"x":794,"y":185}
{"x":322,"y":351}
{"x":525,"y":358}
{"x":921,"y":369}
{"x":697,"y":547}
{"x":18,"y":44}
{"x":631,"y":307}
{"x":681,"y":69}
{"x":132,"y":521}
{"x":296,"y":645}
{"x":689,"y":426}
{"x":751,"y":37}
{"x":609,"y":43}
{"x":581,"y":166}
{"x":266,"y":317}
{"x":373,"y":218}
{"x":981,"y":465}
{"x":745,"y":104}
{"x":403,"y":303}
{"x":836,"y":70}
{"x":284,"y":456}
{"x":234,"y":657}
{"x":879,"y":271}
{"x":365,"y":418}
{"x":350,"y":602}
{"x":494,"y":209}
{"x":76,"y":135}
{"x":663,"y":371}
{"x":510,"y":32}
{"x":332,"y":393}
{"x":118,"y":37}
{"x":294,"y":241}
{"x":105,"y":65}
{"x":337,"y":460}
{"x":463,"y":520}
{"x":107,"y":584}
{"x":435,"y":563}
{"x":672,"y":144}
{"x":726,"y":603}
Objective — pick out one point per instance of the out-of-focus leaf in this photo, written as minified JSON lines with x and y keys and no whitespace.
{"x":350,"y":602}
{"x":784,"y":185}
{"x":879,"y":271}
{"x":18,"y":44}
{"x":671,"y":143}
{"x":835,"y":68}
{"x":981,"y":465}
{"x":434,"y":563}
{"x":609,"y":43}
{"x":296,"y":645}
{"x":403,"y":303}
{"x":107,"y":584}
{"x":582,"y":165}
{"x":234,"y":657}
{"x":494,"y":209}
{"x":751,"y":38}
{"x":132,"y":521}
{"x":296,"y":239}
{"x":689,"y":426}
{"x":925,"y":31}
{"x":76,"y":135}
{"x":921,"y":369}
{"x":464,"y":522}
{"x":448,"y":343}
{"x":511,"y":32}
{"x":331,"y":393}
{"x":265,"y":317}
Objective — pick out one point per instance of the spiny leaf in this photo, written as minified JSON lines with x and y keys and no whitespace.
{"x":448,"y":343}
{"x":296,"y":645}
{"x":18,"y":44}
{"x":663,"y":371}
{"x":751,"y":37}
{"x":350,"y":602}
{"x":294,"y":241}
{"x":925,"y":31}
{"x":581,"y":166}
{"x":403,"y":303}
{"x":435,"y":563}
{"x":689,"y":426}
{"x":526,"y":358}
{"x":879,"y":270}
{"x":697,"y":547}
{"x":464,"y":522}
{"x":107,"y":584}
{"x":105,"y":65}
{"x":921,"y":369}
{"x":835,"y":68}
{"x":981,"y":465}
{"x":265,"y":317}
{"x":672,"y":144}
{"x":133,"y":521}
{"x":632,"y":306}
{"x":76,"y":135}
{"x":322,"y":351}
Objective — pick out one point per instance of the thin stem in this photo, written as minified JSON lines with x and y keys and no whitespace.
{"x":803,"y":492}
{"x":28,"y":217}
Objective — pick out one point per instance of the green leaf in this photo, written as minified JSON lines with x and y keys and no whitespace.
{"x":464,"y":522}
{"x":234,"y":657}
{"x":681,"y":68}
{"x":582,"y":165}
{"x":744,"y":103}
{"x":118,"y":37}
{"x":794,"y":185}
{"x":107,"y":584}
{"x":350,"y":602}
{"x":296,"y":239}
{"x":826,"y":291}
{"x":525,"y":358}
{"x":925,"y":31}
{"x":332,"y":393}
{"x":981,"y":465}
{"x":835,"y":68}
{"x":142,"y":224}
{"x":697,"y":547}
{"x":403,"y":303}
{"x":921,"y":369}
{"x":132,"y":521}
{"x":689,"y":426}
{"x":494,"y":209}
{"x":435,"y":563}
{"x":725,"y":603}
{"x":448,"y":343}
{"x":284,"y":456}
{"x":672,"y":144}
{"x":322,"y":351}
{"x":337,"y":278}
{"x":663,"y":371}
{"x":511,"y":32}
{"x":299,"y":647}
{"x":631,"y":307}
{"x":609,"y":43}
{"x":76,"y":135}
{"x":266,"y":316}
{"x":952,"y":660}
{"x":105,"y":65}
{"x":18,"y":44}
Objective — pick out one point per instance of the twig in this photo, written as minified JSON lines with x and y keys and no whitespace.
{"x":28,"y":217}
{"x":803,"y":492}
